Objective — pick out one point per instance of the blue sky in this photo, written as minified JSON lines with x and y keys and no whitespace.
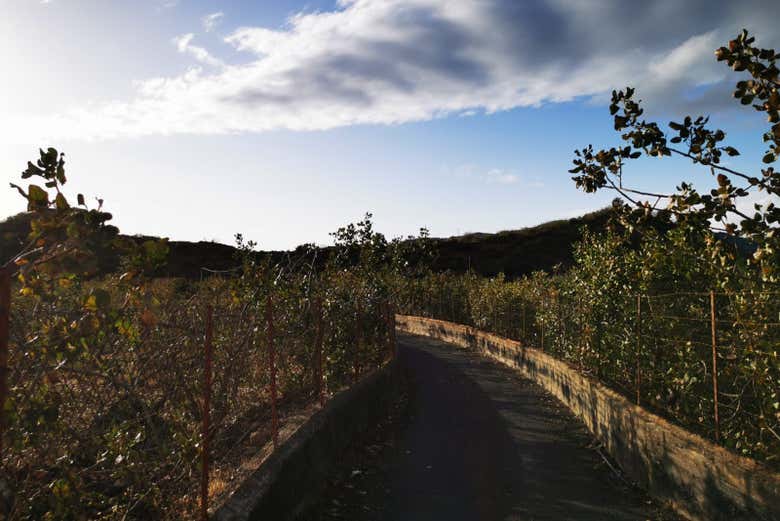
{"x":283,"y":120}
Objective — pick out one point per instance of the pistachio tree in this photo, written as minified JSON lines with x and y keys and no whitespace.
{"x":705,"y":147}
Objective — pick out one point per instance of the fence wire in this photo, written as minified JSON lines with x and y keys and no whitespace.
{"x":113,"y":429}
{"x":705,"y":360}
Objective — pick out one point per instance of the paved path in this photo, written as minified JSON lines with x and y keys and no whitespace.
{"x":482,"y":443}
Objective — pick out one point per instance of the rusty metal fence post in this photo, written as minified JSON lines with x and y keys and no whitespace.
{"x":269,"y":318}
{"x":580,"y":333}
{"x":358,"y":342}
{"x":206,"y":427}
{"x":318,"y":352}
{"x":714,"y":366}
{"x":525,"y":341}
{"x":387,"y":325}
{"x":393,"y":344}
{"x":541,"y":326}
{"x":5,"y":319}
{"x":638,"y":369}
{"x":561,"y":325}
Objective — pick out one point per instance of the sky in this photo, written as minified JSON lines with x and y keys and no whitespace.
{"x":284,"y":119}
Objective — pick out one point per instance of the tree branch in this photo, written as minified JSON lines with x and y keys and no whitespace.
{"x":712,"y":165}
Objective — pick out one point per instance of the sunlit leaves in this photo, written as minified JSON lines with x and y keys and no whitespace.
{"x":693,"y":139}
{"x":37,"y":197}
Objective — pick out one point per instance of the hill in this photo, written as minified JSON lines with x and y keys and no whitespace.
{"x":517,"y":252}
{"x":513,"y":252}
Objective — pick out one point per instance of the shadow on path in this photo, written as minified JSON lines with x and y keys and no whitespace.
{"x":482,"y":443}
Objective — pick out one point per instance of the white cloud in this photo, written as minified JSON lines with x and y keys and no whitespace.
{"x":500,"y":176}
{"x":397,"y":61}
{"x":685,"y":61}
{"x":184,"y":45}
{"x":210,"y":21}
{"x":475,"y":172}
{"x":747,"y":204}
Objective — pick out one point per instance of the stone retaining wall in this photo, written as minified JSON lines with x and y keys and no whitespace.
{"x":701,"y":480}
{"x":294,"y":475}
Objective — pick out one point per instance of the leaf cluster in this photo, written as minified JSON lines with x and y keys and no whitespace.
{"x":703,"y":146}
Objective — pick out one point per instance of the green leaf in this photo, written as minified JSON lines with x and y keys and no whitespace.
{"x":61,"y":202}
{"x":37,"y":196}
{"x":97,"y":300}
{"x":60,"y":175}
{"x":50,"y":155}
{"x":31,"y":171}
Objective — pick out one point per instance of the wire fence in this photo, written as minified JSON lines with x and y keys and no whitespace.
{"x":706,"y":360}
{"x":149,"y":409}
{"x":151,"y":417}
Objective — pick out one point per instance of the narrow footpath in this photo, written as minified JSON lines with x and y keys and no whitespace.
{"x":477,"y":442}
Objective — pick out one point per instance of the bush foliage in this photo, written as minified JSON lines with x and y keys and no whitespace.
{"x":635,"y":310}
{"x":105,"y":402}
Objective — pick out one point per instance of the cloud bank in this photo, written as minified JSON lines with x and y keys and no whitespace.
{"x":397,"y":61}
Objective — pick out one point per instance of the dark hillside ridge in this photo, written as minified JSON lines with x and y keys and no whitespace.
{"x":518,"y":252}
{"x":185,"y":259}
{"x":515,"y":252}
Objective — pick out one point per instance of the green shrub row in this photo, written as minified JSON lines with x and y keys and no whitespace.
{"x":638,"y":317}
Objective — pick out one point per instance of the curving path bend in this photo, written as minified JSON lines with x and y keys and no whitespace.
{"x":482,"y":443}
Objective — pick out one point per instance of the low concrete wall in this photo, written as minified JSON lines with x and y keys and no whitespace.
{"x":293,"y":476}
{"x":701,"y":480}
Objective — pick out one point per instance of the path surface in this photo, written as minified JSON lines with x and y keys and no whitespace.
{"x":482,"y":443}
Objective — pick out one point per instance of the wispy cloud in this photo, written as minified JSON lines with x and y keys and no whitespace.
{"x":211,"y":21}
{"x":500,"y":176}
{"x":397,"y":61}
{"x":162,"y":5}
{"x":184,"y":45}
{"x":480,"y":174}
